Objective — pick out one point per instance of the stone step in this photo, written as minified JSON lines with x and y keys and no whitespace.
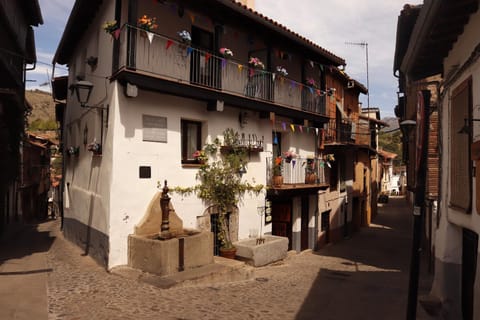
{"x":221,"y":271}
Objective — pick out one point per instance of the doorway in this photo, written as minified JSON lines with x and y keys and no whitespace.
{"x":205,"y":67}
{"x":469,"y":268}
{"x":282,"y":220}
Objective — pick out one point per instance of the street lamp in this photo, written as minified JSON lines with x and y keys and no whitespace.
{"x":83,"y":89}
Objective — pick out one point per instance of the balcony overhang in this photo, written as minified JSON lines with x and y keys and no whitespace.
{"x":287,"y":190}
{"x":207,"y":94}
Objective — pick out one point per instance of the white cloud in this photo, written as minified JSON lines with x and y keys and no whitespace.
{"x":56,"y":12}
{"x":331,"y":23}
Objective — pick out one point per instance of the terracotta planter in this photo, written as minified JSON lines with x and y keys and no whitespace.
{"x":228,"y":253}
{"x":311,"y":178}
{"x":277,"y":180}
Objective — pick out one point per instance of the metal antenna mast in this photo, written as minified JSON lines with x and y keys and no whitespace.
{"x":364,"y":44}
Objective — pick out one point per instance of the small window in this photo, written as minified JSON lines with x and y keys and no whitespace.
{"x":191,"y":140}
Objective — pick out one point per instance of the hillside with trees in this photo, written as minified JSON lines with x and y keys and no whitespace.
{"x":42,"y":117}
{"x":390,"y":139}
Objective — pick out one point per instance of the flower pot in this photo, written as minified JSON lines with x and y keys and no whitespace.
{"x":228,"y":253}
{"x":311,"y":178}
{"x":277,"y":180}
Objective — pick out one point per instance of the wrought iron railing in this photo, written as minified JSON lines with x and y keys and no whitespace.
{"x":297,"y":170}
{"x":160,"y":56}
{"x":340,"y":131}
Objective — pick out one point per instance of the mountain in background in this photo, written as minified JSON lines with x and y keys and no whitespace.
{"x":42,"y":117}
{"x":392,"y":123}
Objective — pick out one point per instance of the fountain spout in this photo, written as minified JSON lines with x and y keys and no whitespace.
{"x":165,"y":206}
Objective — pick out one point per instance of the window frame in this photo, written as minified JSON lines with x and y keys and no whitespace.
{"x":184,"y":140}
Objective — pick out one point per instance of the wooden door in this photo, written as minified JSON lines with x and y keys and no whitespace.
{"x":282,"y":220}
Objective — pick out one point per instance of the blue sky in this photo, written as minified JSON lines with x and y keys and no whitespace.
{"x":329,"y":23}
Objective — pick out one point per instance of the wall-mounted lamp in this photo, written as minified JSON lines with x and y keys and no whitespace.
{"x":466,"y":129}
{"x":92,"y":61}
{"x":83,"y":89}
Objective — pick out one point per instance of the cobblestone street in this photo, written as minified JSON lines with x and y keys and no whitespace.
{"x":364,"y":277}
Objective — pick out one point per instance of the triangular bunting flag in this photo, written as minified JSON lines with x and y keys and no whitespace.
{"x":150,"y":36}
{"x":301,"y":128}
{"x":284,"y":126}
{"x":207,"y":56}
{"x":224,"y":63}
{"x":240,"y":67}
{"x":292,"y":127}
{"x":169,"y":44}
{"x":273,"y":77}
{"x":311,"y":63}
{"x":116,"y":33}
{"x":189,"y":50}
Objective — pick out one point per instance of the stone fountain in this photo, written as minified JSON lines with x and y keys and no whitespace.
{"x":171,"y":248}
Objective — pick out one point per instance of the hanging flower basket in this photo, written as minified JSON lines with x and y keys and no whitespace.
{"x":281,"y":71}
{"x":147,"y":24}
{"x":185,"y":36}
{"x":256,"y":63}
{"x":226,"y":53}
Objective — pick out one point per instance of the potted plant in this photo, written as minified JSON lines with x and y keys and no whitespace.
{"x":185,"y":36}
{"x":281,"y":71}
{"x":226,"y":53}
{"x":147,"y":25}
{"x":310,"y":170}
{"x":111,"y":27}
{"x":221,"y":185}
{"x":289,"y":156}
{"x":256,"y":63}
{"x":277,"y":171}
{"x":311,"y":82}
{"x":200,"y":156}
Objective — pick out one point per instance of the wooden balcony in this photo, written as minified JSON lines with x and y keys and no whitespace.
{"x":298,"y":173}
{"x":167,"y":59}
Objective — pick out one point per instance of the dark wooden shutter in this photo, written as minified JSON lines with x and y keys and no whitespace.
{"x":460,"y":163}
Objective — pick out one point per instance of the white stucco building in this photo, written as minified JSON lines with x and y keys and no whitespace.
{"x":441,"y":38}
{"x":157,"y":98}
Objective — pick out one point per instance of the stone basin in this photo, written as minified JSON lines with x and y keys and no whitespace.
{"x":274,"y":248}
{"x":165,"y":257}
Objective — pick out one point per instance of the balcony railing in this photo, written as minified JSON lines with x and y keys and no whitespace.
{"x":166,"y":58}
{"x":298,"y":171}
{"x":340,"y":131}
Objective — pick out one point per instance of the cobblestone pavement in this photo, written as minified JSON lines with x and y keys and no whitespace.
{"x":364,"y":277}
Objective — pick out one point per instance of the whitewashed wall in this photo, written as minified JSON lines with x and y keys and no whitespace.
{"x":131,"y":195}
{"x":87,"y":177}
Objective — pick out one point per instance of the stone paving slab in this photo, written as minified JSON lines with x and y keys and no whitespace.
{"x":364,"y":277}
